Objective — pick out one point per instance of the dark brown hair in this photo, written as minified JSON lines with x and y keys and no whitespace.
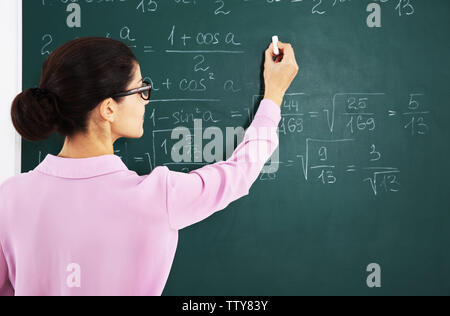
{"x":75,"y":78}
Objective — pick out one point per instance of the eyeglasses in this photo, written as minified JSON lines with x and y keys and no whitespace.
{"x":145,"y":91}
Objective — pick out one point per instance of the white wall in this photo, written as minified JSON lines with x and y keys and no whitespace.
{"x":10,"y":85}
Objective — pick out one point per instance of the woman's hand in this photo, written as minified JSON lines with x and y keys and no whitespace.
{"x":279,"y":74}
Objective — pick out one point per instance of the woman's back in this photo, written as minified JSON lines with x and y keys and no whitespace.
{"x":86,"y":227}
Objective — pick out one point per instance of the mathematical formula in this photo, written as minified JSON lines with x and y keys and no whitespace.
{"x":321,"y":126}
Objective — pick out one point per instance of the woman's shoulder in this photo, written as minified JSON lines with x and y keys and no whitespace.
{"x":14,"y":181}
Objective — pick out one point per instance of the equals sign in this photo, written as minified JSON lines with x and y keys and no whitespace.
{"x":138,"y":159}
{"x":290,"y":163}
{"x":392,"y":113}
{"x":351,"y":168}
{"x":313,"y":114}
{"x":235,"y":114}
{"x":148,"y":49}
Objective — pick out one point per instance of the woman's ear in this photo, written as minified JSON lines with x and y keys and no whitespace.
{"x":108,"y":110}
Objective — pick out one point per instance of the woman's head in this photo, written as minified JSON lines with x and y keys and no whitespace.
{"x":75,"y":93}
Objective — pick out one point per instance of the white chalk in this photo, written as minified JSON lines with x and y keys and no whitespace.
{"x":276,"y":51}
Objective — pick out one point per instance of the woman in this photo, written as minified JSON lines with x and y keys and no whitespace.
{"x":81,"y":223}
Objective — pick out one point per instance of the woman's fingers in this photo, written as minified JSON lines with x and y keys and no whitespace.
{"x":269,"y":53}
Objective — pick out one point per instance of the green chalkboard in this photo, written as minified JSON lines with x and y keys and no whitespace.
{"x":361,"y":174}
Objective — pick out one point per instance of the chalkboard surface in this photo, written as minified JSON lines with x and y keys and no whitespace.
{"x":355,"y":201}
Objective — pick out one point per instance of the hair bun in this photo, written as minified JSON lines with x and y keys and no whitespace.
{"x":40,"y":93}
{"x":35,"y":113}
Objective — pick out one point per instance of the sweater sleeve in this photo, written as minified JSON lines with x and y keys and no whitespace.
{"x":192,"y":197}
{"x":5,"y":286}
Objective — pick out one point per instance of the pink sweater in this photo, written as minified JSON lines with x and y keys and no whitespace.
{"x":90,"y":226}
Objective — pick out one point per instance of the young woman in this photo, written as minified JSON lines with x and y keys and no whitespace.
{"x":81,"y":223}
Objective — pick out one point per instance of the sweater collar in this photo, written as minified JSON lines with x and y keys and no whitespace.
{"x":78,"y":168}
